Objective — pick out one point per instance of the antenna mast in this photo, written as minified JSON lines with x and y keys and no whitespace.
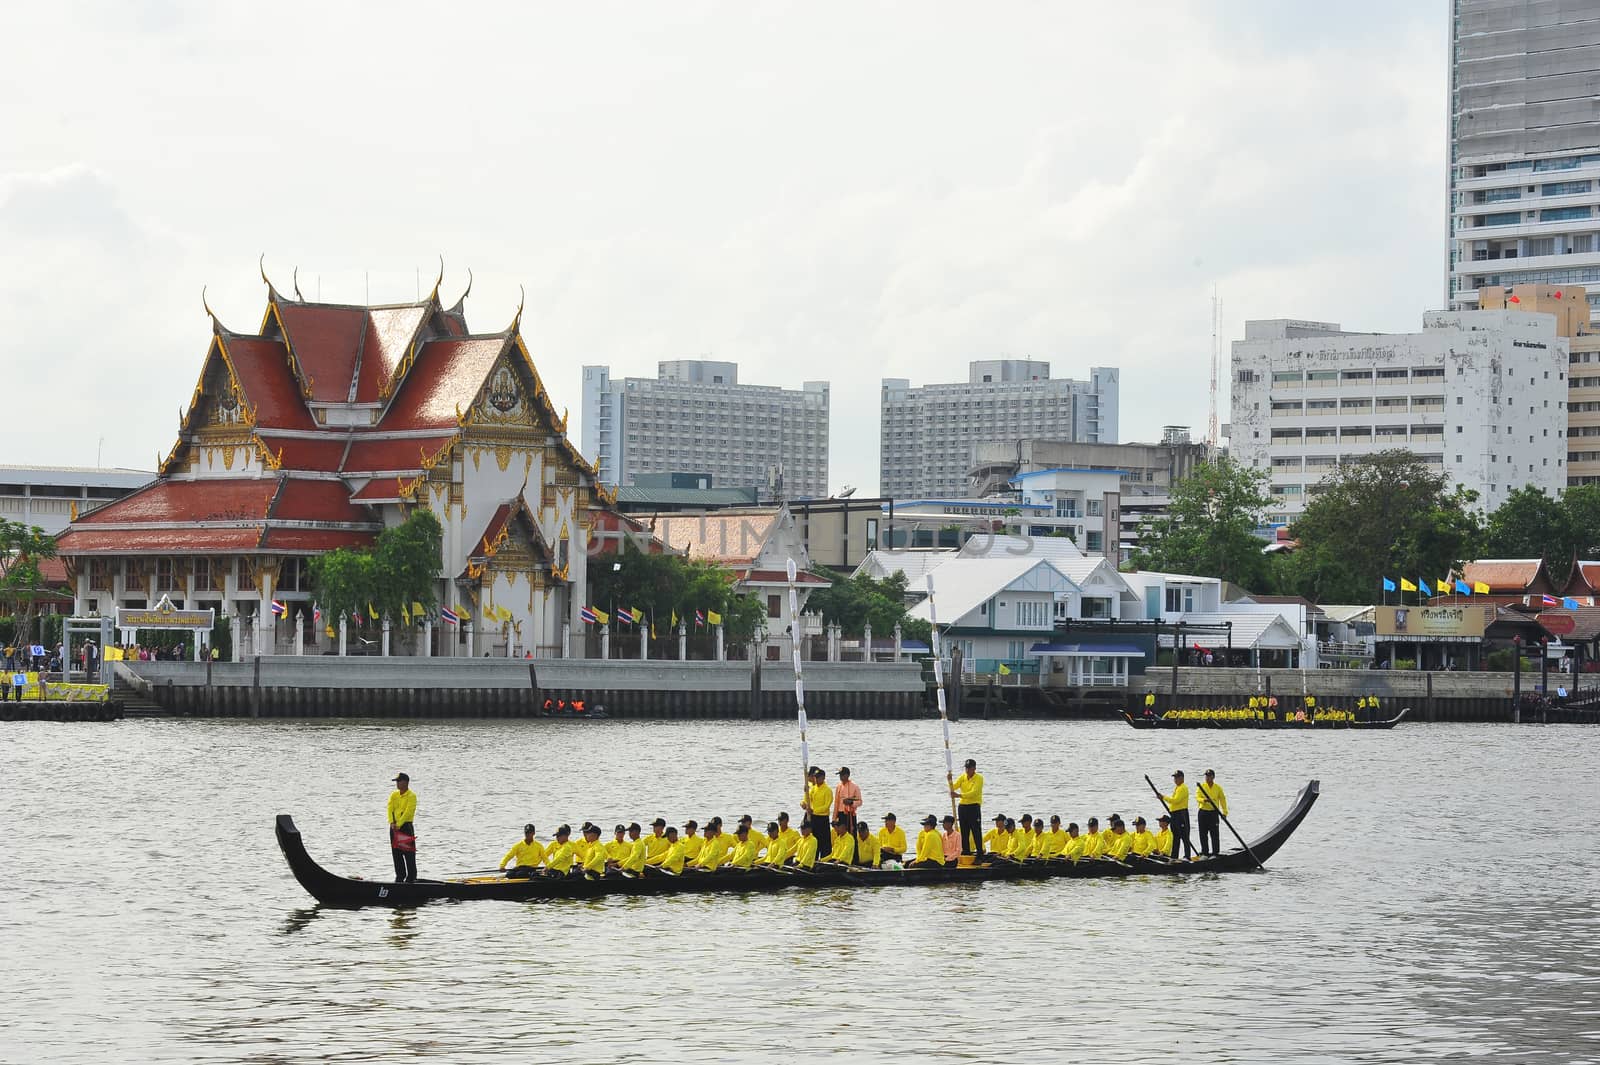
{"x":1213,"y":430}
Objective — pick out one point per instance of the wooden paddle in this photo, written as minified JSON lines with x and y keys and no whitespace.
{"x":1225,"y":821}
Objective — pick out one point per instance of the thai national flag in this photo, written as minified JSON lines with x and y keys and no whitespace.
{"x":699,"y":619}
{"x":587,"y":615}
{"x":279,"y":608}
{"x":449,"y":615}
{"x":1549,"y":600}
{"x":316,"y":613}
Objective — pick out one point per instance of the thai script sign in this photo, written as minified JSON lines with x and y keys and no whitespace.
{"x":1426,"y":621}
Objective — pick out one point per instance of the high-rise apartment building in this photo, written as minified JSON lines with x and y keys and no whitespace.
{"x":928,"y":434}
{"x":1524,"y":146}
{"x":1478,"y":395}
{"x":695,"y":417}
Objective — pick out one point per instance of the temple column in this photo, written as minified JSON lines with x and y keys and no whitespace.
{"x":605,"y":640}
{"x":298,"y":620}
{"x":683,"y":640}
{"x":344,"y":635}
{"x":427,"y":638}
{"x":384,"y":644}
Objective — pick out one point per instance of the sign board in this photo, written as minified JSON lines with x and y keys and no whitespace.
{"x":1424,"y":622}
{"x":1557,"y":622}
{"x":164,"y":616}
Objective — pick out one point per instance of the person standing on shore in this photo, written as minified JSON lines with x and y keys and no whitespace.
{"x":1209,"y":801}
{"x":402,"y":829}
{"x":1178,"y":810}
{"x":968,"y":791}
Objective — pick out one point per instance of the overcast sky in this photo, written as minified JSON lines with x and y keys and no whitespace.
{"x":816,"y":191}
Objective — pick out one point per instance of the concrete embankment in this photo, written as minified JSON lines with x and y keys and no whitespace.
{"x":1458,"y":697}
{"x":60,"y":711}
{"x":329,"y":686}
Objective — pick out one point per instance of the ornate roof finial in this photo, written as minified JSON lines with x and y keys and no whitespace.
{"x":522,"y":299}
{"x":297,"y":295}
{"x":216,"y":326}
{"x":433,"y":297}
{"x":261,"y":264}
{"x":461,"y":302}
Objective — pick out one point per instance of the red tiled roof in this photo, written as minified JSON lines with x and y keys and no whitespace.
{"x":308,"y":500}
{"x":1507,"y":576}
{"x":447,"y":375}
{"x":326,"y":342}
{"x":189,"y":501}
{"x":491,"y":532}
{"x":53,"y":570}
{"x":774,"y":576}
{"x":315,"y":539}
{"x":389,"y":333}
{"x":376,"y":456}
{"x":322,"y":455}
{"x":379,"y":490}
{"x":730,"y":537}
{"x":157,"y":541}
{"x":262,"y":367}
{"x":1584,"y":579}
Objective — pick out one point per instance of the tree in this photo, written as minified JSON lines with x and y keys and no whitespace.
{"x":854,"y":602}
{"x":662,"y":585}
{"x":401,"y":568}
{"x":1385,"y":515}
{"x":1209,"y":529}
{"x":1582,"y":505}
{"x":1529,"y":524}
{"x":22,"y":548}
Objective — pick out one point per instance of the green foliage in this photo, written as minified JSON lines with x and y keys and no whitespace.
{"x":401,"y":568}
{"x":1210,"y":527}
{"x":1530,"y":524}
{"x":661,"y":585}
{"x":1502,"y":661}
{"x":854,"y":602}
{"x":22,"y":548}
{"x":1386,"y":515}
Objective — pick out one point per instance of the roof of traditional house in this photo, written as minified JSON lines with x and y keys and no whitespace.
{"x":1509,"y":576}
{"x":1584,"y":579}
{"x":344,"y":407}
{"x":744,"y":539}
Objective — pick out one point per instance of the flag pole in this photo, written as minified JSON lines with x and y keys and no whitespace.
{"x":799,"y":680}
{"x":938,"y":689}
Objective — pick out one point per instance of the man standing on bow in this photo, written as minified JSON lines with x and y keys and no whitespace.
{"x":1210,"y":800}
{"x":402,"y":830}
{"x":1178,"y":810}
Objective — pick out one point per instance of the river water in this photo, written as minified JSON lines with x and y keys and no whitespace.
{"x":1441,"y":902}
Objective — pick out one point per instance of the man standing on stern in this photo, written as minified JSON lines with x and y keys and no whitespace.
{"x":1178,"y":810}
{"x":847,"y":803}
{"x":402,"y":831}
{"x":1210,"y":800}
{"x":819,"y":801}
{"x":968,"y":790}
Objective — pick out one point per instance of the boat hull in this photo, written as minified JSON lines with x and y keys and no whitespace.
{"x":349,"y":892}
{"x":1304,"y":726}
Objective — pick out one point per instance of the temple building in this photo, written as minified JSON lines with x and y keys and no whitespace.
{"x":326,"y":425}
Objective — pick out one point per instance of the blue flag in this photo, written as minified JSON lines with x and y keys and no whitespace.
{"x":1570,"y":604}
{"x":1463,"y":587}
{"x":1388,"y":585}
{"x":1422,"y":586}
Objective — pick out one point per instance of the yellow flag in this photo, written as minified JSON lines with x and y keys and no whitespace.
{"x":1480,"y":588}
{"x":405,"y":615}
{"x":652,"y":630}
{"x":1005,"y":670}
{"x":1407,"y":586}
{"x":713,"y":617}
{"x":462,"y":613}
{"x":674,"y":622}
{"x":416,"y":609}
{"x":329,"y":631}
{"x":372,"y":612}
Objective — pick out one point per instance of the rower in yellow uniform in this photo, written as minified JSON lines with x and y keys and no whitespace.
{"x":777,"y":850}
{"x":1178,"y":809}
{"x":1121,"y":843}
{"x":746,"y":847}
{"x":891,"y":840}
{"x":1209,"y":799}
{"x":1143,"y":841}
{"x":1072,"y":848}
{"x":594,"y":861}
{"x":527,"y":854}
{"x":617,"y":847}
{"x":996,"y":841}
{"x":656,"y":844}
{"x":805,"y":851}
{"x":930,"y":844}
{"x":1054,"y":839}
{"x":1016,"y":841}
{"x":788,"y":836}
{"x":714,"y":854}
{"x":843,"y":843}
{"x":1163,"y":839}
{"x":676,"y":854}
{"x":867,"y":851}
{"x":1093,"y":843}
{"x":637,"y":851}
{"x":692,"y":844}
{"x":558,"y":859}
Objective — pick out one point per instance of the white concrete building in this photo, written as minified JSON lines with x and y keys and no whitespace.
{"x":695,"y":417}
{"x":1479,"y":395}
{"x":50,"y":496}
{"x":1090,"y":501}
{"x":928,"y":434}
{"x":1524,"y":146}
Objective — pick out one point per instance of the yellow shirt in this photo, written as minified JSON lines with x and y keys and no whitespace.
{"x":996,"y":841}
{"x":777,"y":851}
{"x":869,"y":853}
{"x":673,"y":861}
{"x":1210,"y":797}
{"x":1037,"y":843}
{"x":1093,"y":845}
{"x":595,"y":860}
{"x":1072,"y":847}
{"x":805,"y":852}
{"x":524,"y":853}
{"x":1179,"y":799}
{"x":715,"y":851}
{"x":790,"y":838}
{"x":844,"y":848}
{"x":560,"y":856}
{"x":1163,"y":842}
{"x":894,"y":841}
{"x":617,"y":849}
{"x":402,"y":807}
{"x":1021,"y":846}
{"x":969,"y":790}
{"x":1120,"y":847}
{"x":1054,"y":840}
{"x":655,"y":849}
{"x":634,"y":860}
{"x":692,"y":846}
{"x":1143,"y":842}
{"x":744,"y":854}
{"x":819,"y":799}
{"x":930,"y":847}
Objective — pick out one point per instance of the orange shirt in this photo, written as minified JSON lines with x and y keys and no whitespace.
{"x":847,"y":789}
